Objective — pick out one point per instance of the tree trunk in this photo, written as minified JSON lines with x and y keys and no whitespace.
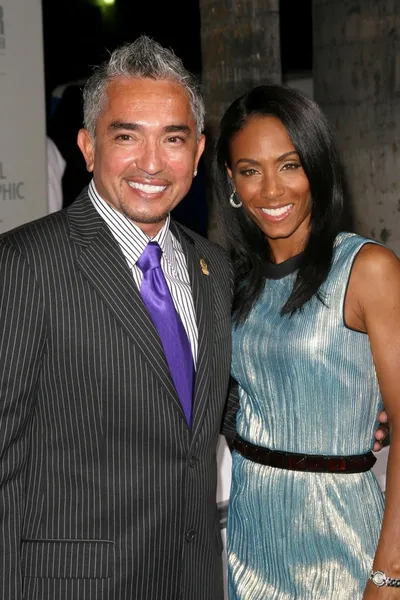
{"x":240,"y":49}
{"x":357,"y":83}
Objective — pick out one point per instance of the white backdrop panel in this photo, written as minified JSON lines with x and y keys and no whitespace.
{"x":23,"y":194}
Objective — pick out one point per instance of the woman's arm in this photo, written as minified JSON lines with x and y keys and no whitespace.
{"x":373,"y":305}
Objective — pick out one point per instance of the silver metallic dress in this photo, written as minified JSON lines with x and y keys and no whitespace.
{"x":307,"y":384}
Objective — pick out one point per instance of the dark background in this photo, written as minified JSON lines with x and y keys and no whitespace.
{"x":77,"y":34}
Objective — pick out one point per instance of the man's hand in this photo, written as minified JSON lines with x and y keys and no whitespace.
{"x":382,"y":432}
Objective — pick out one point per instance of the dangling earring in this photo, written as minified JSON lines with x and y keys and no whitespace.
{"x":195,"y":173}
{"x":232,"y":200}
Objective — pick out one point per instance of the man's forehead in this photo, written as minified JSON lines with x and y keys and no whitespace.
{"x":143,"y":89}
{"x":139,"y":89}
{"x":141,"y":101}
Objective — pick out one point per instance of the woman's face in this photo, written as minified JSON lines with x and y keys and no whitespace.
{"x":268,"y":176}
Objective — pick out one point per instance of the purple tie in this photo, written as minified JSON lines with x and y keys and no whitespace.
{"x":157,"y":298}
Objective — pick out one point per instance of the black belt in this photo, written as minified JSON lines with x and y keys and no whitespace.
{"x":316,"y":463}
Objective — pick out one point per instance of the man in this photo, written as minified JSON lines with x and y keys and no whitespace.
{"x":107,"y":471}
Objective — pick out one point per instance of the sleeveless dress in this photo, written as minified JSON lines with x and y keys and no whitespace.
{"x":307,"y":384}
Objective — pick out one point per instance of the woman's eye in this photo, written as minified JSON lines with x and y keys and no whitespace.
{"x":248,"y":172}
{"x":290,"y":166}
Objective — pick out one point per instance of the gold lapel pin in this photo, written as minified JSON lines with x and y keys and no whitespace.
{"x":204,"y":267}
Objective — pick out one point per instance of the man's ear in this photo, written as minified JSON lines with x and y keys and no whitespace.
{"x":200,"y":149}
{"x":86,"y":146}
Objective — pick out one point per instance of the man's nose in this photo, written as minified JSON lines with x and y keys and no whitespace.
{"x":151,"y":159}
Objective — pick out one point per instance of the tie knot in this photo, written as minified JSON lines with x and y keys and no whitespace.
{"x":150,"y":257}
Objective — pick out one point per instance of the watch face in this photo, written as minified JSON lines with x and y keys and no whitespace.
{"x":379,"y":578}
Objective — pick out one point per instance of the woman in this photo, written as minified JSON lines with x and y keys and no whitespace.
{"x":316,"y":326}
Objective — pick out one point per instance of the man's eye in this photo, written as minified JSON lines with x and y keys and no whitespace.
{"x":124,"y":137}
{"x":175,"y":139}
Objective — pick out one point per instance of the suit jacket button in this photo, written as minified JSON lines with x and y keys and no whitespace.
{"x":190,"y":535}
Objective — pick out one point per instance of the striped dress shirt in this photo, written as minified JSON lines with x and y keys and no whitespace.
{"x":132,"y":241}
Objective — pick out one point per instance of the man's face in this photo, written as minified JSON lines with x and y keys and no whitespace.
{"x":145,"y":151}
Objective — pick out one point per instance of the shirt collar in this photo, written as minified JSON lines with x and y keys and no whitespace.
{"x":129,"y":236}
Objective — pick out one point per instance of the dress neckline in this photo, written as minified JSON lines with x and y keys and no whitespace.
{"x":285,"y":268}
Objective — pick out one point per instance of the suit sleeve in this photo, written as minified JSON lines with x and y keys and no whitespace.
{"x":21,"y":347}
{"x":228,"y":428}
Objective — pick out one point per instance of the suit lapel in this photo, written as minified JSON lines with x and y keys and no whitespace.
{"x":103,"y":265}
{"x":202,"y":290}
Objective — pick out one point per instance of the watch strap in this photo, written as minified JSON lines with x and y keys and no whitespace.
{"x":380,"y":579}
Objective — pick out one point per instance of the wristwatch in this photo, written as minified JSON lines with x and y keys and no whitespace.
{"x":379,"y":578}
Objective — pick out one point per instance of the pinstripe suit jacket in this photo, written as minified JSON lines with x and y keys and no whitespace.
{"x":104,"y":491}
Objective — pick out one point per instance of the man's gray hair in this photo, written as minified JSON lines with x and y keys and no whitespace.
{"x":144,"y":58}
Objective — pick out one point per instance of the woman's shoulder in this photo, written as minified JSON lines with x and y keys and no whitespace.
{"x":374,"y":287}
{"x":365,"y":248}
{"x":360,"y":257}
{"x":376,"y":261}
{"x":349,"y":245}
{"x":349,"y":240}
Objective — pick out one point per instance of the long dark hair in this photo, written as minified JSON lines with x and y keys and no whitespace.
{"x":312,"y":138}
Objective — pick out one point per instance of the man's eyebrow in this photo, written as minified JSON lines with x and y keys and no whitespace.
{"x":116,"y":125}
{"x":131,"y":126}
{"x":177,"y":129}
